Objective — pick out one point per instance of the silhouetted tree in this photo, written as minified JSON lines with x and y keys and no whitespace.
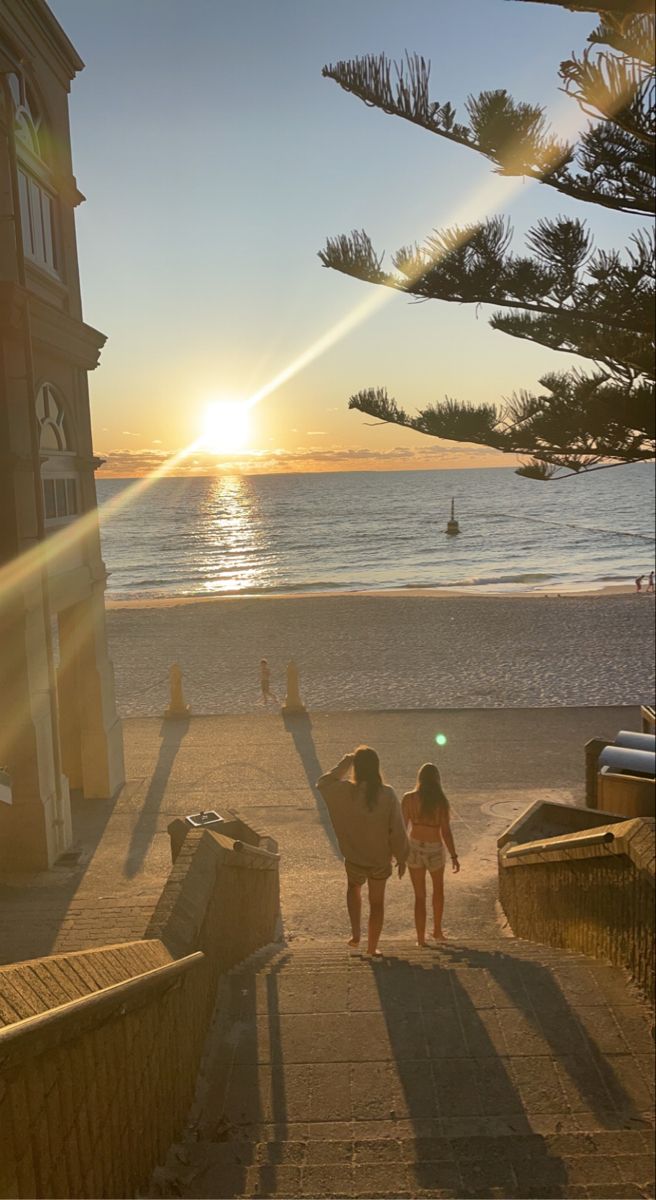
{"x":564,"y":294}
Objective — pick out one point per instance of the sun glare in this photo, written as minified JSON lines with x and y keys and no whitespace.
{"x":226,"y":427}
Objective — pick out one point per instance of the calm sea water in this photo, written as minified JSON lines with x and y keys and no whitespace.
{"x":278,"y":533}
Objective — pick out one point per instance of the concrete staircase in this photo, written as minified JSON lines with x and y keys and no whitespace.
{"x":490,"y":1069}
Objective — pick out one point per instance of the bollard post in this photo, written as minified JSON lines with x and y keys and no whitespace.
{"x":293,"y":704}
{"x":177,"y":706}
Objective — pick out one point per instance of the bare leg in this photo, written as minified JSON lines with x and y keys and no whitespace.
{"x":376,"y":912}
{"x":438,"y":903}
{"x":418,"y":877}
{"x":354,"y":905}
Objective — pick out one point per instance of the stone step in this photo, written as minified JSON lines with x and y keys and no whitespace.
{"x":609,"y":1164}
{"x":390,"y":966}
{"x":405,"y":946}
{"x":356,"y":962}
{"x":453,"y":955}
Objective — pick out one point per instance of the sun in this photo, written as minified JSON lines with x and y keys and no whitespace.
{"x":226,"y":427}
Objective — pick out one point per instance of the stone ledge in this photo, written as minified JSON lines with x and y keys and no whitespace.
{"x":39,"y":984}
{"x":34,"y":1035}
{"x":191,"y":889}
{"x":633,"y":838}
{"x":545,"y":819}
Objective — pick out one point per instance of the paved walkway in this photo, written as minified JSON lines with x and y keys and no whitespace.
{"x":494,"y":764}
{"x":485,"y":1069}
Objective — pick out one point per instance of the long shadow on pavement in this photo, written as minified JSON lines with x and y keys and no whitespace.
{"x":35,"y":905}
{"x":300,"y":728}
{"x":172,"y":733}
{"x":245,"y":1111}
{"x":452,"y":1080}
{"x":542,"y":1013}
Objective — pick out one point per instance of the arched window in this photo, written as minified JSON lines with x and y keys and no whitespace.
{"x":50,"y":415}
{"x":59,"y":475}
{"x":37,"y":199}
{"x":28,"y":121}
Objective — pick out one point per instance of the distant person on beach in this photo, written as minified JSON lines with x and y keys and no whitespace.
{"x":426,"y":814}
{"x":638,"y":583}
{"x":369,"y":827}
{"x":265,"y":682}
{"x":650,"y":582}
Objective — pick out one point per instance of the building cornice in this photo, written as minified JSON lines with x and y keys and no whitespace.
{"x":53,"y":330}
{"x":65,"y":336}
{"x":32,"y":21}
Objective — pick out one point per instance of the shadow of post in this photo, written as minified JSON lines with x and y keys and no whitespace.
{"x":300,"y":728}
{"x":246,"y":1106}
{"x":172,"y":733}
{"x":473,"y":1133}
{"x":539,"y":1000}
{"x":33,"y":914}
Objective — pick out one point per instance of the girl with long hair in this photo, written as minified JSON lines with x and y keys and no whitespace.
{"x":426,"y":815}
{"x":370,"y":830}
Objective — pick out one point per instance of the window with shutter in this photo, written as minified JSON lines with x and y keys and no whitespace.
{"x":37,"y":219}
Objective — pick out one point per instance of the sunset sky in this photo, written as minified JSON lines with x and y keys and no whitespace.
{"x":216,"y":160}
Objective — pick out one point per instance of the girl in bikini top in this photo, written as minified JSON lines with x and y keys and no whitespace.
{"x":426,"y":811}
{"x":423,"y":826}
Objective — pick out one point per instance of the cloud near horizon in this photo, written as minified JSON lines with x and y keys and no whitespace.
{"x":128,"y":462}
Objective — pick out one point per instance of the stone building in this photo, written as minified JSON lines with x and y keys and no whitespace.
{"x":58,"y":725}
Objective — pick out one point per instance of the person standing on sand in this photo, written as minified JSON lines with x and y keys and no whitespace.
{"x":265,"y":682}
{"x":368,"y":824}
{"x":650,"y":582}
{"x":638,"y":583}
{"x":426,"y":814}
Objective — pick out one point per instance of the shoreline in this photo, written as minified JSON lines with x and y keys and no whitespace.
{"x":433,"y":593}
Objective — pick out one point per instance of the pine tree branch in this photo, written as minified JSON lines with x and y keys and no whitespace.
{"x":513,"y":136}
{"x":621,"y":8}
{"x":599,"y":305}
{"x":553,"y":477}
{"x":578,"y":421}
{"x":442,"y":272}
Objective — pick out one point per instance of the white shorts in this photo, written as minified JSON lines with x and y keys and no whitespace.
{"x":430,"y":855}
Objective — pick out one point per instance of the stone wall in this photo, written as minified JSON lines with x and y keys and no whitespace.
{"x":595,"y":896}
{"x":221,"y":897}
{"x":41,"y":984}
{"x":100,"y":1050}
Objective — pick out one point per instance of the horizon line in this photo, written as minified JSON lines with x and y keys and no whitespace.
{"x":100,"y":474}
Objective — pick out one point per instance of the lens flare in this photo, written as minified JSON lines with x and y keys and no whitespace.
{"x":440,"y":739}
{"x":469,"y":210}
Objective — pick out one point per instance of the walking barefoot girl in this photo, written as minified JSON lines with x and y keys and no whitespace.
{"x":426,"y":814}
{"x":367,"y":820}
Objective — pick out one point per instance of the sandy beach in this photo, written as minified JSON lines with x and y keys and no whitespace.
{"x":387,"y":650}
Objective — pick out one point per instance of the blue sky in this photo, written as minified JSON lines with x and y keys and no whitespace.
{"x":216,"y":159}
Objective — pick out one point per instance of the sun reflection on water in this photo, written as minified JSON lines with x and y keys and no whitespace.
{"x":235,"y":551}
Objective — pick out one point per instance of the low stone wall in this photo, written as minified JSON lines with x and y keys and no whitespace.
{"x":100,"y":1050}
{"x":94,"y":1090}
{"x":592,"y":892}
{"x":221,"y":897}
{"x":41,"y":984}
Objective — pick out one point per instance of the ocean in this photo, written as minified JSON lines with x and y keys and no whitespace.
{"x":350,"y":531}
